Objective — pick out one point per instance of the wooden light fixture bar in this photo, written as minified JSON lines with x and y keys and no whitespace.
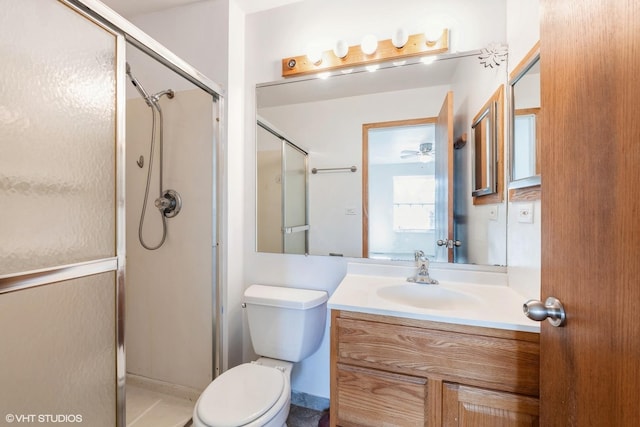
{"x":417,"y":45}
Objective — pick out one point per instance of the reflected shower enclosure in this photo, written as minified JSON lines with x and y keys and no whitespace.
{"x":282,"y":205}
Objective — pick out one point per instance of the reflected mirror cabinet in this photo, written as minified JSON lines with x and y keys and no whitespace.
{"x":488,"y":151}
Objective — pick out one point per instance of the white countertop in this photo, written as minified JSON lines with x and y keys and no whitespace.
{"x":494,"y":306}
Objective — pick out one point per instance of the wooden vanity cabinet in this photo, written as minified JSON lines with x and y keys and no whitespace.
{"x":390,"y":371}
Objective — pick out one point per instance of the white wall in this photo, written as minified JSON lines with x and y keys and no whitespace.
{"x":198,"y":33}
{"x":234,"y":227}
{"x":278,"y":33}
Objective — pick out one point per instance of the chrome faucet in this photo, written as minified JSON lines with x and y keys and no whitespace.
{"x":422,"y":275}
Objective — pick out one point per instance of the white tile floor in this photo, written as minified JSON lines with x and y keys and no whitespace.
{"x":147,"y":408}
{"x":151,"y":408}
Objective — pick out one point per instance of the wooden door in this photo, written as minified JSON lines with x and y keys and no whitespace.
{"x":444,"y":141}
{"x":590,"y":59}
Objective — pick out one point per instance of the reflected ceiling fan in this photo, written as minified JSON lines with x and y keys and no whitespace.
{"x":423,"y":154}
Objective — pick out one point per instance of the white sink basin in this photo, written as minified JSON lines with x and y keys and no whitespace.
{"x":431,"y":297}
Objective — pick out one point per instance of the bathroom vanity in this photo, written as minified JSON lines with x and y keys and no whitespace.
{"x":396,"y":363}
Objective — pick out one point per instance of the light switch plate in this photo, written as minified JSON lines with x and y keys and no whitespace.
{"x":525,"y":213}
{"x":493,"y":213}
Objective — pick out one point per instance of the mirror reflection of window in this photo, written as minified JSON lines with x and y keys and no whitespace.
{"x":524,"y":150}
{"x":414,"y":200}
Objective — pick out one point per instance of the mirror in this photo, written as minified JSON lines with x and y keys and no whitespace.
{"x":524,"y":115}
{"x":487,"y":150}
{"x":326,"y":118}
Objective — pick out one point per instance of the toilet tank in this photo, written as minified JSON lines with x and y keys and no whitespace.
{"x":285,"y":323}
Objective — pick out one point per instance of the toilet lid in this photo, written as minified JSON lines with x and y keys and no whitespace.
{"x":240,"y":395}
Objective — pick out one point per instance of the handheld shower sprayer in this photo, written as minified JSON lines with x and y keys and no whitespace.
{"x":143,"y":93}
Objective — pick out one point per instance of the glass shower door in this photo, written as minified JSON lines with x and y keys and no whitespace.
{"x":60,"y":267}
{"x":294,"y":207}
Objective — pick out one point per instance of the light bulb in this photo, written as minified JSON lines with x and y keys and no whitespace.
{"x":341,"y":49}
{"x":369,"y":44}
{"x":314,"y":55}
{"x":400,"y":38}
{"x":432,"y":35}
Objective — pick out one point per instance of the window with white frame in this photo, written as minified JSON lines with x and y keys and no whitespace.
{"x":414,"y":203}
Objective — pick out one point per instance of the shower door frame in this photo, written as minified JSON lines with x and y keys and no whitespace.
{"x":284,"y":229}
{"x":125,"y":32}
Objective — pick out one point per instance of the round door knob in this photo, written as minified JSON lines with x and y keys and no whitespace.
{"x":449,"y":243}
{"x":552,"y":310}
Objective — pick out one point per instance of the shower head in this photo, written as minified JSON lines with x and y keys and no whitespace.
{"x":169,"y":92}
{"x":138,"y":86}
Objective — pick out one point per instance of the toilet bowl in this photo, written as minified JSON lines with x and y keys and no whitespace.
{"x":253,"y":394}
{"x":286,"y":326}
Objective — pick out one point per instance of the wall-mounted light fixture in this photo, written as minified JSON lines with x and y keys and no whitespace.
{"x":370,"y":52}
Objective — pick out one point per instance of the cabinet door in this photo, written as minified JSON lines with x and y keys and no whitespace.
{"x":374,"y":398}
{"x":464,"y":406}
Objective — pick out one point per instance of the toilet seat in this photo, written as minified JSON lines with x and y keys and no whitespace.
{"x":241,"y":395}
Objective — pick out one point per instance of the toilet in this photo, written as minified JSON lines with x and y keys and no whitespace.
{"x":286,"y":326}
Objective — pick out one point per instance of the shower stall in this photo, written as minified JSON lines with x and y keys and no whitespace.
{"x":101,"y":126}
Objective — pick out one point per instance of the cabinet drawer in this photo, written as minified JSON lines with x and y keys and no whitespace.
{"x":372,"y":398}
{"x":491,"y":362}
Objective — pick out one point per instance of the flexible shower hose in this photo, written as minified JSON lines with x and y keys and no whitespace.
{"x":154,"y":107}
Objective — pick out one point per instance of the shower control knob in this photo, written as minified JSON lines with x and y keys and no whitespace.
{"x":169,"y":204}
{"x":162,"y":203}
